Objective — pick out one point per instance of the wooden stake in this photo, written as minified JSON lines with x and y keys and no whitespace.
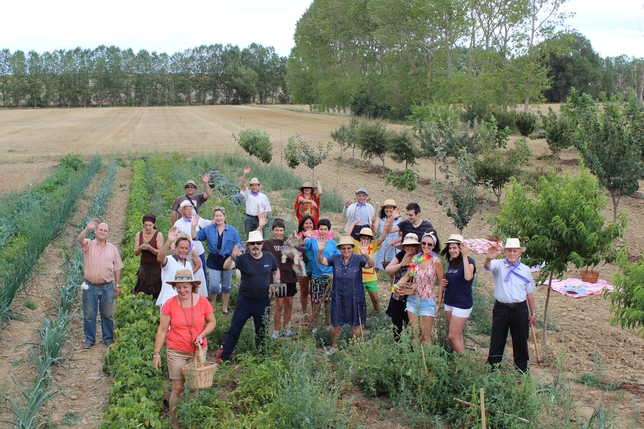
{"x":317,"y":308}
{"x":536,"y":347}
{"x":483,"y":424}
{"x":422,"y":352}
{"x":460,"y":401}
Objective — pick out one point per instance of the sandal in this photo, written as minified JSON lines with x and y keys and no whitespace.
{"x":306,"y":320}
{"x":225,"y":313}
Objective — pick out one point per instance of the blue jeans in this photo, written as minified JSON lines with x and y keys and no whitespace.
{"x":102,"y":295}
{"x":244,"y":310}
{"x":219,"y":281}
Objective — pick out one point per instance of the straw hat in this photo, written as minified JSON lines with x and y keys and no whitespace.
{"x":190,"y":182}
{"x":455,"y":238}
{"x":389,"y":203}
{"x":254,"y":181}
{"x":410,"y":238}
{"x":307,"y":185}
{"x":183,"y":276}
{"x":366,"y":231}
{"x":344,"y":240}
{"x":513,"y":243}
{"x":255,"y":237}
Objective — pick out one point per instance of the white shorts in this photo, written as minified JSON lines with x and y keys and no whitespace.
{"x":458,"y":312}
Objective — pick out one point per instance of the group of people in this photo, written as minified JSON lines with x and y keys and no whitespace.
{"x":177,"y":273}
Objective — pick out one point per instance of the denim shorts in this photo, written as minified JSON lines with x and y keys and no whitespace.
{"x":421,"y":306}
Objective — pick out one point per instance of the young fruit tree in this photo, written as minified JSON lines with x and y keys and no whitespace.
{"x":627,"y":299}
{"x":401,"y":147}
{"x":560,"y":224}
{"x":292,"y":153}
{"x":403,"y":179}
{"x":461,"y":187}
{"x":256,"y":143}
{"x":371,"y":138}
{"x":312,"y":156}
{"x":345,"y":136}
{"x":558,"y":131}
{"x":610,"y":141}
{"x":495,"y":168}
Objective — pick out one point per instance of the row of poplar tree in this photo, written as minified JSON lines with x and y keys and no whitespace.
{"x":110,"y":76}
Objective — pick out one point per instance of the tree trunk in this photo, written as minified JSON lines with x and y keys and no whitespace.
{"x":545,"y":311}
{"x":615,"y":196}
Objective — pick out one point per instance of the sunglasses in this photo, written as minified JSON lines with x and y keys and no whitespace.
{"x":346,"y":248}
{"x":190,"y":186}
{"x":425,"y":243}
{"x":255,"y":244}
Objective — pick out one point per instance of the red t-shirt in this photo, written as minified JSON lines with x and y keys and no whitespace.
{"x":181,"y":322}
{"x":303,"y":209}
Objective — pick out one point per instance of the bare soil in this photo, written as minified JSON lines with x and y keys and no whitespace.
{"x":32,"y":140}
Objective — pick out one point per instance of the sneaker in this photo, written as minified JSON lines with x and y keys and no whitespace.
{"x":87,"y":345}
{"x":108,"y":343}
{"x":288,"y":333}
{"x":276,"y":335}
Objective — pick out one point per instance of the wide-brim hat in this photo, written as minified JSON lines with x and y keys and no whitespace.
{"x":255,"y":237}
{"x":344,"y":240}
{"x":389,"y":203}
{"x":366,"y":231}
{"x":185,"y":203}
{"x":410,"y":239}
{"x":513,"y":243}
{"x":190,"y":182}
{"x":254,"y":181}
{"x":455,"y":238}
{"x":306,"y":185}
{"x":362,"y":191}
{"x":183,"y":276}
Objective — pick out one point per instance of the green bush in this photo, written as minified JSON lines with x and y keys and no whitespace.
{"x":525,"y":122}
{"x":256,"y":143}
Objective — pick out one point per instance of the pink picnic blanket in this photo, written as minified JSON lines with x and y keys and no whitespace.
{"x":577,"y":288}
{"x":480,"y":245}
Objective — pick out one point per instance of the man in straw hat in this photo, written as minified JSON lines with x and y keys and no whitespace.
{"x":256,"y":268}
{"x":514,"y":308}
{"x":196,"y":200}
{"x":359,"y":214}
{"x":256,"y":202}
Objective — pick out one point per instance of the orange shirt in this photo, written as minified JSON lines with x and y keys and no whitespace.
{"x":184,"y":320}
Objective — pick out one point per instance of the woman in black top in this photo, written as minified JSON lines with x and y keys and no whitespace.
{"x":458,"y":280}
{"x":398,"y":268}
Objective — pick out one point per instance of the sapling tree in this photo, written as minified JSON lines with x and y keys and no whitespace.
{"x":461,"y":201}
{"x":256,"y":143}
{"x":610,"y":143}
{"x":371,"y":138}
{"x":402,"y":148}
{"x":495,"y":168}
{"x":345,"y":136}
{"x":313,"y":156}
{"x":627,"y":298}
{"x":558,"y":131}
{"x":292,"y":153}
{"x":403,"y":179}
{"x":559,"y":224}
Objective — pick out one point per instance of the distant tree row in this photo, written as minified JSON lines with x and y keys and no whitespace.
{"x":110,"y":76}
{"x":380,"y":57}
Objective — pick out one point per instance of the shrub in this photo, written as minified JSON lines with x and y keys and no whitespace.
{"x":526,"y":123}
{"x":256,"y":143}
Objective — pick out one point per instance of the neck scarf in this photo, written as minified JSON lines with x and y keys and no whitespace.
{"x":359,"y":204}
{"x":187,"y":219}
{"x":513,"y":268}
{"x":254,"y":194}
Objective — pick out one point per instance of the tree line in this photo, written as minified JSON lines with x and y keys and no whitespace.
{"x":380,"y":57}
{"x":110,"y":76}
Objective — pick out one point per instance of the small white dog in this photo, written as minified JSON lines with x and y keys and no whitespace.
{"x":291,"y":250}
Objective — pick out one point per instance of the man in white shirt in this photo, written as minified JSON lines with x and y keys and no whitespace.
{"x":256,"y":202}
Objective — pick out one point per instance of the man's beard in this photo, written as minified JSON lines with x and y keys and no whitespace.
{"x":255,"y":251}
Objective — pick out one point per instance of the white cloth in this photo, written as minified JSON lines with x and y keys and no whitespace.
{"x":185,"y":227}
{"x":254,"y":202}
{"x":515,"y":289}
{"x":168,"y":273}
{"x":349,"y":213}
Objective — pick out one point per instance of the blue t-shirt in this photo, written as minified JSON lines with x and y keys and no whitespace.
{"x":312,"y":245}
{"x":458,"y":292}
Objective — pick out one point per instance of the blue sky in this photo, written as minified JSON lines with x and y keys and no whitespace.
{"x":612,"y":26}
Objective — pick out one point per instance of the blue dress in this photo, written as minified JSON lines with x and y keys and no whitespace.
{"x":348,"y":304}
{"x":390,"y":253}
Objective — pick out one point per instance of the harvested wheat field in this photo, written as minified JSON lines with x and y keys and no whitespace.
{"x":31,"y":141}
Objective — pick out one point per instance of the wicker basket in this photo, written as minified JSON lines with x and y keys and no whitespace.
{"x":589,"y":276}
{"x":199,"y":374}
{"x":406,"y":288}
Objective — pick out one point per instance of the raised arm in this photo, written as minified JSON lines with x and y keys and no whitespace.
{"x":243,"y":179}
{"x":364,"y":251}
{"x":193,"y":226}
{"x":317,"y":182}
{"x":229,"y":263}
{"x":81,"y":237}
{"x":492,"y":253}
{"x":468,"y":269}
{"x":207,"y":189}
{"x":161,"y":257}
{"x":389,"y":227}
{"x":321,"y":259}
{"x":263,"y":220}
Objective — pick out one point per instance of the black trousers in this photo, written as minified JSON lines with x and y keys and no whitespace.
{"x":398,"y":313}
{"x":514,"y":319}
